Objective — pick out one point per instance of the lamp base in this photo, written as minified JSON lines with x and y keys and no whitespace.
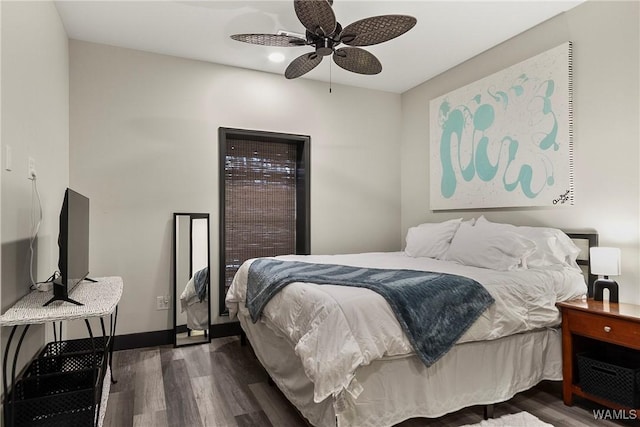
{"x":600,"y":285}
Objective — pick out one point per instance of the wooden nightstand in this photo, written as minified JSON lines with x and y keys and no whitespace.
{"x":587,"y":323}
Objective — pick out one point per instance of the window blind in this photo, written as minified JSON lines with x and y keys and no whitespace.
{"x":260,"y":201}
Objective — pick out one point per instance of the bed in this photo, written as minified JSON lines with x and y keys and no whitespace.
{"x":341,"y":357}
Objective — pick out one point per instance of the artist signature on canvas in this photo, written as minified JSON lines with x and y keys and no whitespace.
{"x":562,"y":199}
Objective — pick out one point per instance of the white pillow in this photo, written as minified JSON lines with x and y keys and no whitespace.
{"x":553,"y":247}
{"x":490,"y":247}
{"x":431,"y":239}
{"x":498,"y":225}
{"x":471,"y":221}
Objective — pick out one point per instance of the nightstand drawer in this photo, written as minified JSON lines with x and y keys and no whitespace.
{"x":617,"y":331}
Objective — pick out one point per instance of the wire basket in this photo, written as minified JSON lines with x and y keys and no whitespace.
{"x":66,"y":363}
{"x":60,"y":387}
{"x":59,"y":399}
{"x":85,"y":345}
{"x":613,"y":374}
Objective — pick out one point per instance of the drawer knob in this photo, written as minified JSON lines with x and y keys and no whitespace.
{"x":607,"y":328}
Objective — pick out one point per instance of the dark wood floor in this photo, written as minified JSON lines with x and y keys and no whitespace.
{"x":223,"y":384}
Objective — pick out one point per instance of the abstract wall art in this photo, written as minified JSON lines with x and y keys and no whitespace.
{"x":506,"y":140}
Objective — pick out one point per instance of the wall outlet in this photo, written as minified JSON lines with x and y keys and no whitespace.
{"x":32,"y":168}
{"x":162,"y":302}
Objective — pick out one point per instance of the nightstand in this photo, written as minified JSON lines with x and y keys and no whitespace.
{"x":587,"y":324}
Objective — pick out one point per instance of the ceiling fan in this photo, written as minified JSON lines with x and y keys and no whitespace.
{"x":324,"y":33}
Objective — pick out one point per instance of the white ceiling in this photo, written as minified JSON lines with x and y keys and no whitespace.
{"x":447,"y":32}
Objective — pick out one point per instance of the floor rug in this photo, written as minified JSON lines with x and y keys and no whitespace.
{"x":521,"y":419}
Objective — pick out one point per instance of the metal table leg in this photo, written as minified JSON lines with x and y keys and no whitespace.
{"x":13,"y":371}
{"x":113,"y":322}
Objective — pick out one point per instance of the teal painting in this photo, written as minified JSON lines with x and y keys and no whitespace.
{"x":505,"y":140}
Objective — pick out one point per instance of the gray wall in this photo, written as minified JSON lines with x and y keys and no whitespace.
{"x":606,"y":124}
{"x":144,"y":143}
{"x":35,"y":123}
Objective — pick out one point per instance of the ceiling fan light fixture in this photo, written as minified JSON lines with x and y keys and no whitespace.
{"x":276,"y":57}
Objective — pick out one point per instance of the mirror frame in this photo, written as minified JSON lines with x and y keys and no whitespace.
{"x":192,"y":216}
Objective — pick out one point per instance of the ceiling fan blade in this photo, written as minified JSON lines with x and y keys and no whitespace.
{"x":376,"y":29}
{"x":302,"y":65}
{"x":270,"y":40}
{"x":316,"y":15}
{"x":357,"y":60}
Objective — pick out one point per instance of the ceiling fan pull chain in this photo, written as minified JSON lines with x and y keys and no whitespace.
{"x":329,"y":76}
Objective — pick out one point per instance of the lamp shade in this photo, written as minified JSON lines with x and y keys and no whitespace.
{"x":605,"y":261}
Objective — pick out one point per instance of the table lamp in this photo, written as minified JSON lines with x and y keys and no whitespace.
{"x":605,"y":262}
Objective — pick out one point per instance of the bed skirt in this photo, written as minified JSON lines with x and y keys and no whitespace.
{"x":398,"y":388}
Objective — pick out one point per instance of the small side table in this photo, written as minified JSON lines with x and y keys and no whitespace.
{"x":99,"y":299}
{"x":585,"y":322}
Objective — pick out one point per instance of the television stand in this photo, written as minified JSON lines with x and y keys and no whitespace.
{"x":68,"y":382}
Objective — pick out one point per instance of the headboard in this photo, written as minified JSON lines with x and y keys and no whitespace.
{"x":585,"y":240}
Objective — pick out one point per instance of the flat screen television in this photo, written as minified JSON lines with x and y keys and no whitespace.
{"x":73,"y":243}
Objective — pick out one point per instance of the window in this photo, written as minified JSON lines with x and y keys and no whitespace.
{"x":264,"y":198}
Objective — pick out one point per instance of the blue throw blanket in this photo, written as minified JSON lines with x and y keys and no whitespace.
{"x":433,"y":309}
{"x":200,"y":281}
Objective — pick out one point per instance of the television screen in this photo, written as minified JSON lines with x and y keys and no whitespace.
{"x":73,"y":242}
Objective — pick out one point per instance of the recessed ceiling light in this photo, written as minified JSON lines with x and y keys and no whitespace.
{"x":276,"y":57}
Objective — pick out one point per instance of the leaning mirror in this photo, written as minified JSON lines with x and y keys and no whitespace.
{"x":191,"y":311}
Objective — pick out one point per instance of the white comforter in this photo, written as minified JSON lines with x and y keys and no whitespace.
{"x":336,"y":329}
{"x":197,"y":311}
